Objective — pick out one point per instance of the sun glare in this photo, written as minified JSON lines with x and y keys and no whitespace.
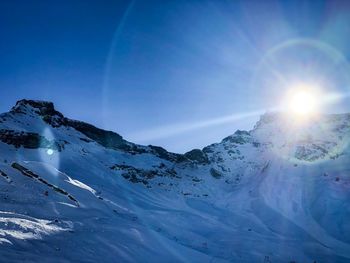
{"x":302,"y":100}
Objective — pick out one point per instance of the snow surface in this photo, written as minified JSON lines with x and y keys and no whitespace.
{"x":278,"y":193}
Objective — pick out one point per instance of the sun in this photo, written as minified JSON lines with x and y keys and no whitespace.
{"x":302,"y":103}
{"x":303,"y":100}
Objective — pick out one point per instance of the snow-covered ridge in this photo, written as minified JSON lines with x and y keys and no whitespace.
{"x":75,"y":192}
{"x":322,"y":137}
{"x":324,"y":133}
{"x":45,"y":111}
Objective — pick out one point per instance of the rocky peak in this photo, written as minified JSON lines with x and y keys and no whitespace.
{"x":45,"y":109}
{"x":239,"y":137}
{"x":268,"y":119}
{"x":198,"y":156}
{"x":321,"y":137}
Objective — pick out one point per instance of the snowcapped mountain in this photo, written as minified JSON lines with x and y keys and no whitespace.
{"x":72,"y":192}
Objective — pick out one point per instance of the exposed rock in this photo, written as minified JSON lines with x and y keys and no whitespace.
{"x":3,"y":174}
{"x":28,"y":140}
{"x":136,"y":175}
{"x":239,"y":137}
{"x":215,"y":173}
{"x":310,"y":152}
{"x":197,"y":156}
{"x":26,"y":172}
{"x":43,"y":108}
{"x":107,"y":139}
{"x":164,"y":154}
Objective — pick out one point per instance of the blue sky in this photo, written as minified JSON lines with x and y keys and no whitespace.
{"x":180,"y":74}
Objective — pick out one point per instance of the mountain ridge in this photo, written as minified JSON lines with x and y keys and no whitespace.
{"x":113,"y":139}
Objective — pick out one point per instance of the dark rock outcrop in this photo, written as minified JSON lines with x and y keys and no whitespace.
{"x":239,"y":137}
{"x":29,"y":140}
{"x":136,"y":175}
{"x":26,"y":172}
{"x":164,"y":154}
{"x":107,"y":139}
{"x":197,"y":156}
{"x":215,"y":173}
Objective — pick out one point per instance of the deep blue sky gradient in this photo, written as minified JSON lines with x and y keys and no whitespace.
{"x":141,"y":66}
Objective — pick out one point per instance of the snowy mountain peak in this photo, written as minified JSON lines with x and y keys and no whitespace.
{"x":318,"y":138}
{"x":42,"y":107}
{"x":286,"y":121}
{"x":40,"y":119}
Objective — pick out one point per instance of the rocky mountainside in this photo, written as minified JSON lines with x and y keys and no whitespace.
{"x":72,"y":192}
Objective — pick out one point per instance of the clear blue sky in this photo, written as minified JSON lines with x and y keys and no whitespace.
{"x":169,"y":73}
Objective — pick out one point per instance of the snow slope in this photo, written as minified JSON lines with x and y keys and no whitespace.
{"x":72,"y":192}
